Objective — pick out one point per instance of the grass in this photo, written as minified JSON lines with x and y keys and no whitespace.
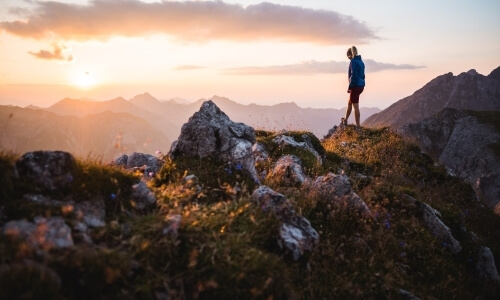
{"x":206,"y":239}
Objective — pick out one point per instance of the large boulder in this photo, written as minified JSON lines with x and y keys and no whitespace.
{"x":295,"y":234}
{"x":210,"y":133}
{"x":47,"y":171}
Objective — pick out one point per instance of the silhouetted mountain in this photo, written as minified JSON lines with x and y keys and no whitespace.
{"x":468,"y":144}
{"x":148,"y":111}
{"x":147,"y":102}
{"x":83,"y":107}
{"x":105,"y":135}
{"x":467,"y":91}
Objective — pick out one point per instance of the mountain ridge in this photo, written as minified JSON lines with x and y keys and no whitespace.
{"x":468,"y":90}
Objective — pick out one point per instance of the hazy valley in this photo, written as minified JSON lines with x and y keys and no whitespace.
{"x":110,"y":128}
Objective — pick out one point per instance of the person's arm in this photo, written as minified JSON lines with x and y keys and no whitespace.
{"x":349,"y":77}
{"x":354,"y":72}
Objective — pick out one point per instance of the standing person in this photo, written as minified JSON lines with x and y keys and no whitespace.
{"x":356,"y":75}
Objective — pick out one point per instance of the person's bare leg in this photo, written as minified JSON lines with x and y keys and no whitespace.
{"x":348,"y":111}
{"x":356,"y":113}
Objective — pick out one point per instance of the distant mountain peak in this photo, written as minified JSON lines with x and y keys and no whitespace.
{"x":495,"y":74}
{"x":144,"y":98}
{"x":118,"y":99}
{"x":472,"y":72}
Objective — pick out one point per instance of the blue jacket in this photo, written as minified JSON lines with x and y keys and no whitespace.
{"x":356,"y":72}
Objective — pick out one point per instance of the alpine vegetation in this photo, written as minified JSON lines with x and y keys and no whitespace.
{"x":230,"y":212}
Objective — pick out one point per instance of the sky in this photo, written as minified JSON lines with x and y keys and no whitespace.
{"x":248,"y":51}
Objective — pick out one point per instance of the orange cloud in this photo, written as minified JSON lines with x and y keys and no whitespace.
{"x":187,"y":67}
{"x":190,"y":21}
{"x":315,"y":67}
{"x":56,"y":54}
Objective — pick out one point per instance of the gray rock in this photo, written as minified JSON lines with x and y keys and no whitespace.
{"x":405,"y":295}
{"x":288,"y":171}
{"x":210,"y":133}
{"x":432,"y":220}
{"x":121,"y":161}
{"x":142,"y":196}
{"x":485,"y":265}
{"x":331,"y":132}
{"x":295,"y":233}
{"x":337,"y":189}
{"x":462,"y":142}
{"x":260,"y":152}
{"x":47,"y":170}
{"x":92,"y":213}
{"x":147,"y":164}
{"x":285,"y":140}
{"x":42,"y":233}
{"x":137,"y":160}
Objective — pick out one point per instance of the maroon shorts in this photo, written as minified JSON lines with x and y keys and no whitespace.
{"x":354,"y":94}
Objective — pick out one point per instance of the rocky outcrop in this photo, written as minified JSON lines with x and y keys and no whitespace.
{"x":295,"y":235}
{"x":48,"y":178}
{"x":466,"y":142}
{"x":467,"y":91}
{"x":336,"y":189}
{"x":210,"y":133}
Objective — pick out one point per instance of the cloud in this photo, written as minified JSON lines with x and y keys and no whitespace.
{"x":315,"y":67}
{"x":56,"y":54}
{"x":374,"y":66}
{"x":187,"y":67}
{"x":189,"y":21}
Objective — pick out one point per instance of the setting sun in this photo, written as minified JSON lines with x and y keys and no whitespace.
{"x":84,"y":80}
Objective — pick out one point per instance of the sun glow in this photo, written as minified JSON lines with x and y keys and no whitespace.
{"x":84,"y":80}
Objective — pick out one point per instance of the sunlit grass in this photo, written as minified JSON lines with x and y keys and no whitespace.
{"x":207,"y":240}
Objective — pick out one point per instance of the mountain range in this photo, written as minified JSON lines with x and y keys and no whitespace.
{"x":102,"y":135}
{"x":467,"y":91}
{"x":142,"y":124}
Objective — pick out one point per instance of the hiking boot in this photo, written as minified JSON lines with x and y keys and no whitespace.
{"x":343,"y":121}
